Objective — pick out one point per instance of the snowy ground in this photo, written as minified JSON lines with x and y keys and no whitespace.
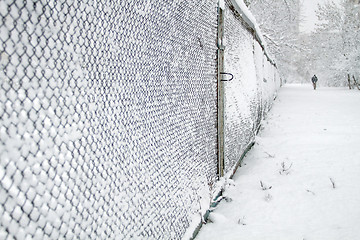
{"x":315,"y":135}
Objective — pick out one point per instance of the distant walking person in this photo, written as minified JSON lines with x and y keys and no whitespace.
{"x":314,"y":80}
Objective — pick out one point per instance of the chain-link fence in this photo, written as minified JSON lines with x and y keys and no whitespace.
{"x":108,"y":115}
{"x":250,"y":94}
{"x":241,"y":94}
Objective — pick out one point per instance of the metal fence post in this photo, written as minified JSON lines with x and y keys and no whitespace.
{"x":220,"y":91}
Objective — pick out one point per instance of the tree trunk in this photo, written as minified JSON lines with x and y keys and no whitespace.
{"x":356,"y":83}
{"x":349,"y":81}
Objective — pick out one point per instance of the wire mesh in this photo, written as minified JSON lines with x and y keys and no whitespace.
{"x":108,"y":117}
{"x":242,"y":94}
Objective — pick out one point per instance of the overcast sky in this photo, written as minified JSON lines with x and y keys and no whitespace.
{"x":308,"y":11}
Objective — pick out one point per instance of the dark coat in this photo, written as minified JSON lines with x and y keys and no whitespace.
{"x":314,"y":79}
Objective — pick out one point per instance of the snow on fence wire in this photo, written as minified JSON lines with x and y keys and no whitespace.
{"x":249,"y":95}
{"x":108,"y":115}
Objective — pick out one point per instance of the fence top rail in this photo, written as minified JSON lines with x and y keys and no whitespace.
{"x":250,"y":20}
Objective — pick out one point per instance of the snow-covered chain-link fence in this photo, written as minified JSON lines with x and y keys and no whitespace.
{"x":108,"y":115}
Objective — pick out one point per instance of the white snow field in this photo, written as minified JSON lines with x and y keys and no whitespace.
{"x":307,"y":159}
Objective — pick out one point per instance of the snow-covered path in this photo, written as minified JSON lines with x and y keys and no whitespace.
{"x":307,"y":157}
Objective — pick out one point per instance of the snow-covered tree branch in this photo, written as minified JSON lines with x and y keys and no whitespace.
{"x":336,"y":42}
{"x":279,"y":22}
